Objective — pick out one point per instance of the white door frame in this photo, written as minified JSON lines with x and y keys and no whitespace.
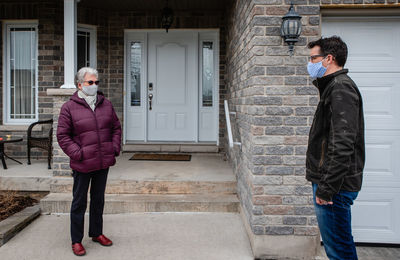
{"x":142,"y":36}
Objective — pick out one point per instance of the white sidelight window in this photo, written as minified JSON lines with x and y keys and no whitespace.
{"x":20,"y":73}
{"x":86,"y":46}
{"x":207,"y":69}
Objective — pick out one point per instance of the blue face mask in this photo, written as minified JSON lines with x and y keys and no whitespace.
{"x":316,"y":70}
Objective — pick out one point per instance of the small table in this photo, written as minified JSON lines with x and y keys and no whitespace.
{"x":5,"y":140}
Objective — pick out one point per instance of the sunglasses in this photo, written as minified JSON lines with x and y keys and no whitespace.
{"x":313,"y":57}
{"x":90,"y":82}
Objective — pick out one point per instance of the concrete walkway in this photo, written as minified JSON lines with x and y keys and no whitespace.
{"x":152,"y":236}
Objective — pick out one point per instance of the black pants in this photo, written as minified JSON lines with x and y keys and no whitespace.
{"x":97,"y":180}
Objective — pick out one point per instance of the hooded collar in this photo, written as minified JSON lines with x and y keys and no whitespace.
{"x":77,"y":99}
{"x":321,"y":83}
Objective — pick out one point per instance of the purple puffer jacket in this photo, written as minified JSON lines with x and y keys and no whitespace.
{"x":90,"y":138}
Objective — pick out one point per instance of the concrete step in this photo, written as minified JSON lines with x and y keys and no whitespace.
{"x":130,"y":203}
{"x":115,"y":186}
{"x":25,"y":183}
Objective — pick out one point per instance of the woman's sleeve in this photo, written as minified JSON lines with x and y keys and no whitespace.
{"x":64,"y":135}
{"x":116,"y":133}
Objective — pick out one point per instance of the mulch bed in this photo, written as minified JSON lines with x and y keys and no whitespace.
{"x":11,"y":203}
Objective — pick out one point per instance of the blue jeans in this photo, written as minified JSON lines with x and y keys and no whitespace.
{"x":334,"y":223}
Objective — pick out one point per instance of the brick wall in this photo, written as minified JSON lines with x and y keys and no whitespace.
{"x":274,"y":101}
{"x":238,"y":59}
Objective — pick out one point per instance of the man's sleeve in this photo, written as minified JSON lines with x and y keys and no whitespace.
{"x":344,"y":107}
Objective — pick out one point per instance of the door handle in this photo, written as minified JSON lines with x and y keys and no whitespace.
{"x":150,"y":100}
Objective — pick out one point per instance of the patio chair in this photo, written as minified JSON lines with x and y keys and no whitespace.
{"x":43,"y":142}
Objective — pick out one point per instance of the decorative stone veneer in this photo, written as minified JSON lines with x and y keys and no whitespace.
{"x":60,"y":164}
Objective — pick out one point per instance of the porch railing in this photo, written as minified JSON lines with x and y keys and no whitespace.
{"x":229,"y":126}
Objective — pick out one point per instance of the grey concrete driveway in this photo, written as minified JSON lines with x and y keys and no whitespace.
{"x":137,"y":236}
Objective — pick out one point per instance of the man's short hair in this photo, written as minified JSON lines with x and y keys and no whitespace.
{"x":334,"y":46}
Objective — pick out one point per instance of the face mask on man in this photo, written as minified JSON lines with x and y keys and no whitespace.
{"x":316,"y":70}
{"x":90,"y":90}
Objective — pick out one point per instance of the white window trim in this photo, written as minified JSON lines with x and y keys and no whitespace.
{"x":6,"y":92}
{"x":93,"y":43}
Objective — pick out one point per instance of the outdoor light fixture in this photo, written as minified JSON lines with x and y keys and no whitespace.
{"x":167,"y":17}
{"x":291,"y":28}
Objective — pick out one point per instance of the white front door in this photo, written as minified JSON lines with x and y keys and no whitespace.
{"x":374,"y":65}
{"x":173,"y":81}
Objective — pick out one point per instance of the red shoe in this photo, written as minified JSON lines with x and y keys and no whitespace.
{"x":78,"y":249}
{"x":103,"y":240}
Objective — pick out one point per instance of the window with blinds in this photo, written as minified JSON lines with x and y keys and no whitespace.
{"x":21,"y":73}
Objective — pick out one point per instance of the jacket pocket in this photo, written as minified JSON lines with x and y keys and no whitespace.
{"x":77,"y":155}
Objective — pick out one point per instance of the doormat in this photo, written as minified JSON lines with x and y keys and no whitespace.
{"x":161,"y":157}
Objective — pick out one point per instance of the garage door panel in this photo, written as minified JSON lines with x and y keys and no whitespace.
{"x":382,"y":165}
{"x":382,"y":211}
{"x":367,"y":53}
{"x":381,"y":96}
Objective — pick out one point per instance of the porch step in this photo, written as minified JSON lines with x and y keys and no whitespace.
{"x":176,"y":147}
{"x":22,"y":183}
{"x":64,"y":184}
{"x":130,"y":203}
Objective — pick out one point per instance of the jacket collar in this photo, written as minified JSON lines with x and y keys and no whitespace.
{"x":77,"y":99}
{"x":322,"y":83}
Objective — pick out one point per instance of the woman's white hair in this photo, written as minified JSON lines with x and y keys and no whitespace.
{"x":80,"y":75}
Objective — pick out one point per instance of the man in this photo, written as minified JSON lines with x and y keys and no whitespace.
{"x":336,"y":150}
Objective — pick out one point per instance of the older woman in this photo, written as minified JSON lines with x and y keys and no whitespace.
{"x":89,"y":132}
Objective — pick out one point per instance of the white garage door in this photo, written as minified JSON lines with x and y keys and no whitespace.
{"x":374,"y":64}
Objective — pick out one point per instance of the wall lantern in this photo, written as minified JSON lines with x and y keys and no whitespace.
{"x":167,"y":17}
{"x":291,"y":28}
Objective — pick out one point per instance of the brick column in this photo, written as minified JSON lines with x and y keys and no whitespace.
{"x":275,"y":103}
{"x":60,"y":164}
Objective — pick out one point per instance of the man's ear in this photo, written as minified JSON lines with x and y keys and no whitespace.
{"x":330,"y":58}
